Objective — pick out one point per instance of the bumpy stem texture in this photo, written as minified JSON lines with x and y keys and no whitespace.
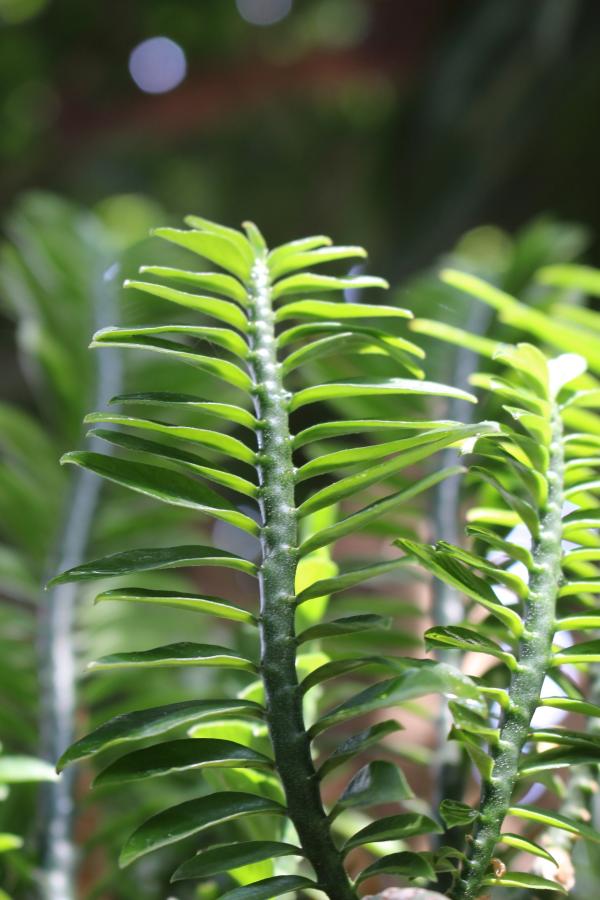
{"x":279,"y":538}
{"x":535,"y":651}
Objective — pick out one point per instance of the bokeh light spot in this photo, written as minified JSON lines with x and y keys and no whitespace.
{"x":157,"y":65}
{"x":264,"y":12}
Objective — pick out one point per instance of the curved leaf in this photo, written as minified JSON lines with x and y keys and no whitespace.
{"x":190,"y":818}
{"x":186,"y":755}
{"x":155,"y":558}
{"x":277,"y":886}
{"x":325,"y":309}
{"x":218,"y":248}
{"x":393,"y":828}
{"x":212,"y":606}
{"x":232,"y":856}
{"x":357,"y":743}
{"x":228,"y":411}
{"x":376,"y":388}
{"x":206,"y":281}
{"x":347,"y":625}
{"x":184,"y":653}
{"x":222,"y":310}
{"x":406,"y":862}
{"x":148,"y":723}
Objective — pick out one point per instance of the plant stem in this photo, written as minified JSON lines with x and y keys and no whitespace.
{"x":535,"y":653}
{"x":279,"y":540}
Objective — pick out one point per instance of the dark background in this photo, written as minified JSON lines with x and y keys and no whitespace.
{"x":394,"y":123}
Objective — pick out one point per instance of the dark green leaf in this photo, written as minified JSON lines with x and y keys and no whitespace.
{"x":454,"y":813}
{"x":190,"y":818}
{"x":277,"y":886}
{"x":187,"y":755}
{"x":377,"y":783}
{"x":356,"y":744}
{"x":393,"y":828}
{"x":232,"y":856}
{"x":348,"y":579}
{"x":525,"y":880}
{"x":347,"y":625}
{"x":466,"y":639}
{"x":411,"y":865}
{"x":148,"y":723}
{"x":148,"y":560}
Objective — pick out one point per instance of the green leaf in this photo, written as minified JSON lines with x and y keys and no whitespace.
{"x":232,"y":856}
{"x":585,"y":652}
{"x":182,"y":459}
{"x":373,"y":512}
{"x":522,"y":843}
{"x":555,"y":820}
{"x":572,"y":276}
{"x":188,"y":755}
{"x":347,"y":579}
{"x":376,"y":388}
{"x":571,"y":704}
{"x":228,"y":411}
{"x":346,"y":625}
{"x":311,"y":283}
{"x":355,"y":455}
{"x":184,"y":653}
{"x":220,"y":337}
{"x":20,"y":769}
{"x":212,"y":606}
{"x":277,"y":886}
{"x":218,"y":248}
{"x":369,"y":475}
{"x":356,"y":744}
{"x":513,"y":551}
{"x":148,"y":723}
{"x":222,"y":443}
{"x":579,"y":623}
{"x":222,"y":310}
{"x":343,"y":342}
{"x":445,"y":566}
{"x":332,"y":311}
{"x":377,"y":783}
{"x":155,"y":558}
{"x":557,"y":758}
{"x":407,"y":863}
{"x":192,"y":817}
{"x":205,"y":281}
{"x":162,"y":484}
{"x":466,"y":639}
{"x":393,"y":828}
{"x":212,"y":365}
{"x":454,"y":813}
{"x":526,"y":880}
{"x":352,"y":426}
{"x":427,"y":678}
{"x":522,"y":508}
{"x":293,"y":262}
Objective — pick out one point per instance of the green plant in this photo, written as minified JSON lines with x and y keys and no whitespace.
{"x":265,"y":744}
{"x":259,"y":291}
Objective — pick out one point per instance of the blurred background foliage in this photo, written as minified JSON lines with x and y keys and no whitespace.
{"x":403,"y":125}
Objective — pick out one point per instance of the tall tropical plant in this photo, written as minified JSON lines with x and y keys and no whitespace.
{"x":268,"y":486}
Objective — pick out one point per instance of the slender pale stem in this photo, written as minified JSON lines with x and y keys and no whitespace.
{"x":535,"y":653}
{"x":279,"y":540}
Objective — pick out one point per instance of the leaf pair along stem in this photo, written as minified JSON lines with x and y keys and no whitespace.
{"x":277,"y":574}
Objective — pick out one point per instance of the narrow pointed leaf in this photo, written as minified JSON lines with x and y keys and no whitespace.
{"x":268,"y":888}
{"x":526,"y":881}
{"x":189,"y":755}
{"x":148,"y":723}
{"x":350,"y":748}
{"x":228,"y":411}
{"x":220,"y":337}
{"x":155,"y":558}
{"x":311,"y":283}
{"x":584,"y":652}
{"x":222,"y":443}
{"x":518,"y":842}
{"x":347,"y":625}
{"x":376,"y":388}
{"x":192,"y":817}
{"x":350,"y":578}
{"x":332,"y":311}
{"x":308,"y":258}
{"x":468,"y":640}
{"x":184,"y":653}
{"x":377,"y":783}
{"x":406,"y":863}
{"x":232,"y":856}
{"x":571,"y":704}
{"x":558,"y":758}
{"x":218,"y":248}
{"x":553,"y":819}
{"x":212,"y":606}
{"x":204,"y":281}
{"x":456,"y":814}
{"x":222,"y":310}
{"x":163,"y":484}
{"x":393,"y":828}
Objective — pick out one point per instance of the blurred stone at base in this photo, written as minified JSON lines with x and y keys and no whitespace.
{"x":406,"y":894}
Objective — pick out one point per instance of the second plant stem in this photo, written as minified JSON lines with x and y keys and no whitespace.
{"x":279,"y":542}
{"x":534,"y":659}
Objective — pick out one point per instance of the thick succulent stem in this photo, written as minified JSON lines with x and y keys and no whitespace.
{"x":535,"y":651}
{"x":279,"y":539}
